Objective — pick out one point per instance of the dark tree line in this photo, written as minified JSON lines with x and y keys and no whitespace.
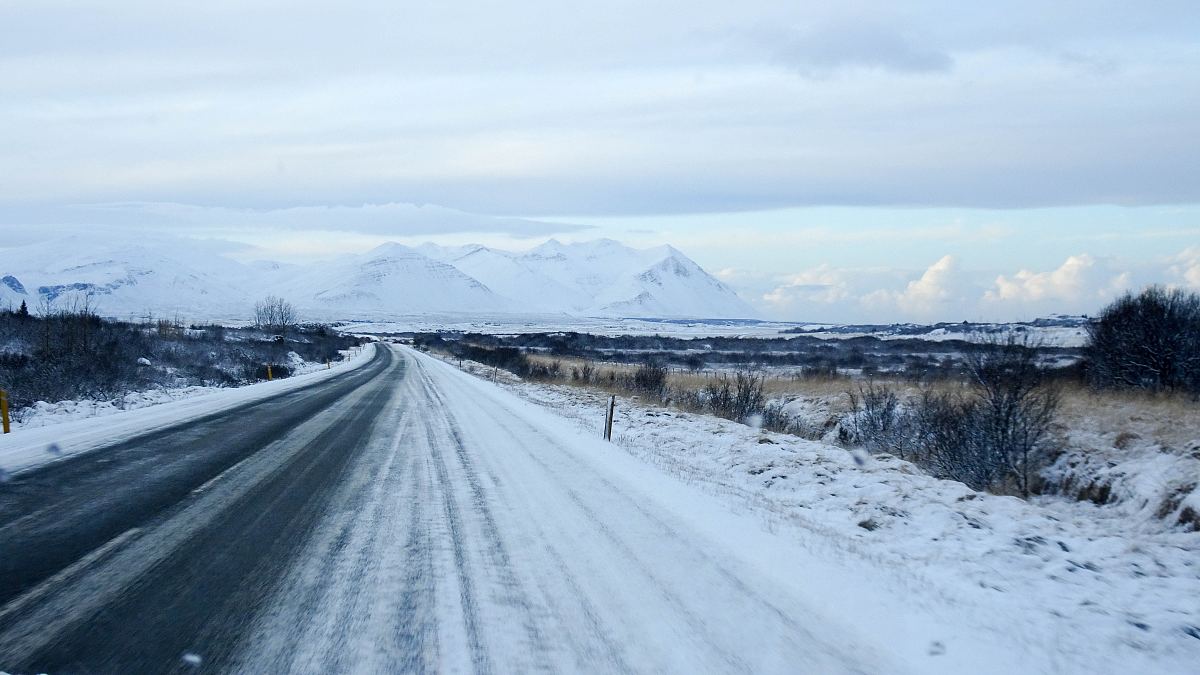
{"x":903,"y":357}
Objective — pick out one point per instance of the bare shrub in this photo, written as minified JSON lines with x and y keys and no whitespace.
{"x":650,"y":378}
{"x":994,"y":434}
{"x":584,"y":373}
{"x":718,"y":396}
{"x":736,"y":398}
{"x":748,"y":396}
{"x":946,"y":441}
{"x":1016,"y":404}
{"x":878,"y":422}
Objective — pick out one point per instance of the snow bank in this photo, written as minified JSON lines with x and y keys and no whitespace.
{"x":55,"y":431}
{"x":1146,"y":482}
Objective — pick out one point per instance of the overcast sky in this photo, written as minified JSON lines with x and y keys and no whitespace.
{"x":831,"y":161}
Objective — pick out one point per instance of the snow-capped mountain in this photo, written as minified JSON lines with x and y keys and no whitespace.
{"x":390,"y":279}
{"x":600,"y":278}
{"x":170,"y":276}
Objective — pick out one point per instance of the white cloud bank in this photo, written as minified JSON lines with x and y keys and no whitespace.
{"x":946,"y":291}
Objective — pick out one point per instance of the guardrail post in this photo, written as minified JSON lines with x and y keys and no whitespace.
{"x":608,"y":417}
{"x":4,"y":410}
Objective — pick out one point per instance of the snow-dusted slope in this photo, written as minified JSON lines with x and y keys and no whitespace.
{"x":123,"y":278}
{"x":390,"y":279}
{"x":600,"y":278}
{"x":193,"y":279}
{"x":509,"y":275}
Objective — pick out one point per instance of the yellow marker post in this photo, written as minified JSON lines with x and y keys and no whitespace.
{"x":269,"y":378}
{"x":4,"y":410}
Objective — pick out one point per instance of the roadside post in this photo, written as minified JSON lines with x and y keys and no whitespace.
{"x":4,"y":409}
{"x":269,"y":378}
{"x":608,"y":418}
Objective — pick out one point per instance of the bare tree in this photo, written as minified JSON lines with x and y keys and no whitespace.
{"x":274,"y":313}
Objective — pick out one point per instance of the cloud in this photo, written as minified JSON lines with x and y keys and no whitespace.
{"x":537,"y":108}
{"x":1185,"y":268}
{"x":1081,"y":278}
{"x":392,"y":219}
{"x":819,"y":286}
{"x":831,"y":47}
{"x":946,"y":291}
{"x":942,"y":291}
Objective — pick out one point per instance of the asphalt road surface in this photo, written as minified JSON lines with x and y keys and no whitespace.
{"x":403,"y":517}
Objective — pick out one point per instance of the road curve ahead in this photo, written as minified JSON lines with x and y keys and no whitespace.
{"x":403,"y":518}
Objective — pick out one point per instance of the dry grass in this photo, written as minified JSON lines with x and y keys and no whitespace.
{"x":832,"y":389}
{"x":1172,"y":421}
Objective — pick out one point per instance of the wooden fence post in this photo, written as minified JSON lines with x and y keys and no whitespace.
{"x":608,"y":417}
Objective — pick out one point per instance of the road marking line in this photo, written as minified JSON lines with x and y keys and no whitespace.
{"x":64,"y":575}
{"x":215,"y":479}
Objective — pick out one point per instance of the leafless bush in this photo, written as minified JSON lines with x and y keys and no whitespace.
{"x":995,"y":434}
{"x":878,"y":421}
{"x":1015,"y":404}
{"x":650,"y":378}
{"x":946,"y":442}
{"x":718,"y":396}
{"x":585,"y":373}
{"x":736,"y":398}
{"x":748,"y":394}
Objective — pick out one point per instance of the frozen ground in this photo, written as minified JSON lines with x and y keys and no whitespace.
{"x":1077,"y":586}
{"x":51,"y":431}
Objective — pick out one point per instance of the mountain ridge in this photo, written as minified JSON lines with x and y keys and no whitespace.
{"x":602,"y":278}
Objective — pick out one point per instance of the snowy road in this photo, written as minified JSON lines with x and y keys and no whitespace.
{"x":405,"y":517}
